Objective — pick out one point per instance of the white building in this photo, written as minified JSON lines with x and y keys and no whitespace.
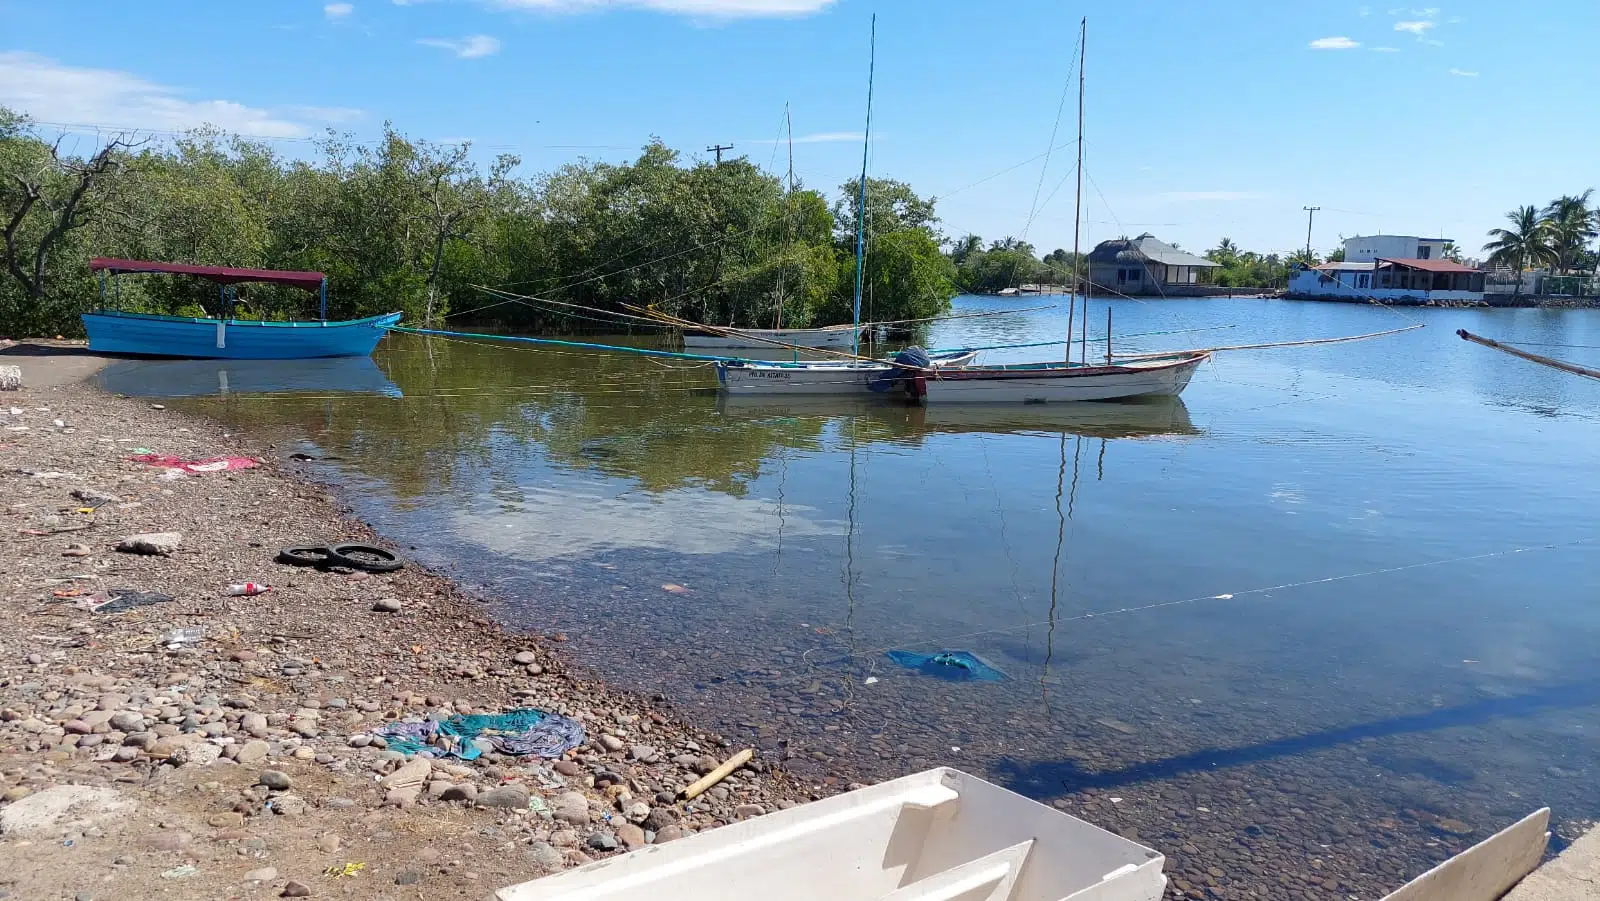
{"x":1365,"y":249}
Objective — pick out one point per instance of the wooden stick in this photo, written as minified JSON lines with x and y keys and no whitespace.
{"x":1547,"y":361}
{"x":717,"y":775}
{"x":1212,"y":350}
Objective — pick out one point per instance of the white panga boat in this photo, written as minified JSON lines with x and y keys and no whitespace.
{"x":1042,"y":383}
{"x":833,"y":337}
{"x":940,"y":835}
{"x":777,"y":378}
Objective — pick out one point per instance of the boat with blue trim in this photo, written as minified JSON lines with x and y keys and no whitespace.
{"x":148,"y":334}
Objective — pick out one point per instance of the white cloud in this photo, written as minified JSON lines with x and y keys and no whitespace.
{"x":473,"y":47}
{"x":337,"y":11}
{"x":1207,"y":196}
{"x":1418,"y":27}
{"x":821,"y":137}
{"x":56,"y":93}
{"x":1384,"y":49}
{"x":711,"y":9}
{"x":1464,"y":73}
{"x":1337,"y":42}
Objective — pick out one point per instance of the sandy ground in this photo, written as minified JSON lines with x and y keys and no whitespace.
{"x":132,"y":766}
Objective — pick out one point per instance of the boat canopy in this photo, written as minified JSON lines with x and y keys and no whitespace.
{"x":222,"y":275}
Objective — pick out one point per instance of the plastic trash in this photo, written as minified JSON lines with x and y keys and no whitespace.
{"x":177,"y":638}
{"x":247,"y":589}
{"x":957,"y":666}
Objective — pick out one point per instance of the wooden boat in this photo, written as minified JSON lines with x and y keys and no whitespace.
{"x":834,"y":337}
{"x":756,"y":377}
{"x":145,"y":334}
{"x":939,"y":835}
{"x":1041,"y":383}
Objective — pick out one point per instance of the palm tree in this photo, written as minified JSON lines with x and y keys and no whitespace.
{"x":1225,"y":252}
{"x":1526,"y":245}
{"x":1572,"y":225}
{"x":965,"y":247}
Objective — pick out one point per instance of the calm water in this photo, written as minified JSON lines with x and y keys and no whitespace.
{"x":1335,"y":593}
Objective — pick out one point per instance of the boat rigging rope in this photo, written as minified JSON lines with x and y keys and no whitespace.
{"x":947,"y":640}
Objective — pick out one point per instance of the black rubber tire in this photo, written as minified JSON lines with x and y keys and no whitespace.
{"x":386,"y":562}
{"x":318,"y":555}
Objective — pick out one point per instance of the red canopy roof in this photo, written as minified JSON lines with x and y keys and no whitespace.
{"x":224,"y":275}
{"x":1430,"y":265}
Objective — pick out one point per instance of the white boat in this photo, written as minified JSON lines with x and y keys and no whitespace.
{"x":1042,"y":383}
{"x":835,"y":337}
{"x":940,"y":835}
{"x":760,"y":377}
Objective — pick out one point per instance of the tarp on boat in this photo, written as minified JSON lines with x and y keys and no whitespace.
{"x":222,"y":275}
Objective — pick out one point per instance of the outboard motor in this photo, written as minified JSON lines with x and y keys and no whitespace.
{"x":901,"y":377}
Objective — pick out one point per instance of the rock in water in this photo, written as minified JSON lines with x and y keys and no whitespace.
{"x":155,"y":543}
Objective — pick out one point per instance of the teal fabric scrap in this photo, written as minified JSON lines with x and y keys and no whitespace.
{"x":525,"y":731}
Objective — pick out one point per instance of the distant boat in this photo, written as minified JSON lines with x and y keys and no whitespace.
{"x":778,"y":379}
{"x":146,"y":334}
{"x":840,"y":337}
{"x":1041,"y":383}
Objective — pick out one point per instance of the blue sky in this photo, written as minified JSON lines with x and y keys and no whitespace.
{"x":1202,"y":121}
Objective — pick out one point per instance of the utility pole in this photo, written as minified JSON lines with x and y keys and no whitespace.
{"x":1311,"y":212}
{"x":717,"y":149}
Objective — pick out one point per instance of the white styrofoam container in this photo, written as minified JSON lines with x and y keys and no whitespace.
{"x":939,"y":835}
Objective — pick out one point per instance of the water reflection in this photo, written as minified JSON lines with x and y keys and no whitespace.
{"x":195,"y":378}
{"x":1344,"y":518}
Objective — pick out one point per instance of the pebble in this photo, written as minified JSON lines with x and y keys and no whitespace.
{"x":161,"y":544}
{"x":408,"y":877}
{"x":277,"y":780}
{"x":168,"y":840}
{"x":601,"y":841}
{"x":523,"y":658}
{"x":660,"y":818}
{"x":611,"y":742}
{"x":265,"y":874}
{"x":328,"y":843}
{"x":568,"y":768}
{"x":387,"y":605}
{"x":509,"y":796}
{"x":746,"y":811}
{"x":463,"y":792}
{"x":294,"y":889}
{"x":571,"y":807}
{"x":545,"y":857}
{"x":668,"y":834}
{"x":632,"y":836}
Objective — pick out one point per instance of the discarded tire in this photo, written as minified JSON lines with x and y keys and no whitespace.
{"x":365,"y":557}
{"x":307,"y":555}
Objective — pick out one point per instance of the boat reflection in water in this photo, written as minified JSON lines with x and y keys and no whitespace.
{"x":199,"y":378}
{"x":1147,"y":417}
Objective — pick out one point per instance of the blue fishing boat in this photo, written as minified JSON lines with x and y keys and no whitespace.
{"x":145,"y":334}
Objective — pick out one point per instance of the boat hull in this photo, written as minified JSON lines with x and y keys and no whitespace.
{"x":798,"y":379}
{"x":1059,"y":384}
{"x":232,"y":339}
{"x":835,"y":338}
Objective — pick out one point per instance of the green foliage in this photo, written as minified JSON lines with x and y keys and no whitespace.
{"x":1525,"y":245}
{"x":1248,"y":269}
{"x":1008,"y":263}
{"x":407,"y":225}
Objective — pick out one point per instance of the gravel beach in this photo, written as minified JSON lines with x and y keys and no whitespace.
{"x":235,"y":758}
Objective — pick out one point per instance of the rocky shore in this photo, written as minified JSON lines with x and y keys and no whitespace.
{"x":223,"y":746}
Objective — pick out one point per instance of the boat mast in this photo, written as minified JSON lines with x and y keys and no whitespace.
{"x":861,"y":211}
{"x":1077,"y":209}
{"x":788,"y":219}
